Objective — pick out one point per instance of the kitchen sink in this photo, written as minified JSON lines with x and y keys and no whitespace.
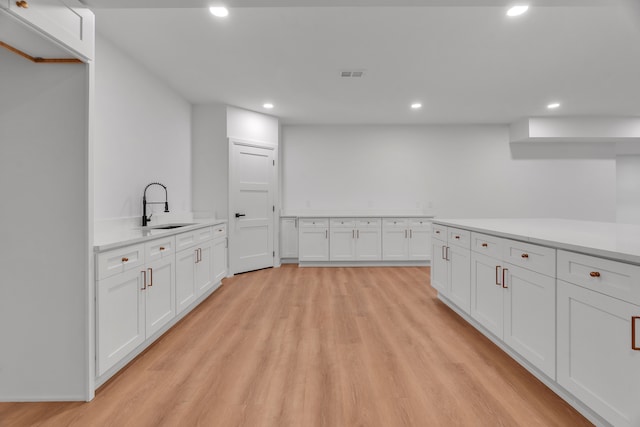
{"x":168,"y":226}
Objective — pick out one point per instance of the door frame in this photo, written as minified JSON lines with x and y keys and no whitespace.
{"x":230,"y":200}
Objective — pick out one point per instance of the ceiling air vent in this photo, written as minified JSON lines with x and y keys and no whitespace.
{"x":352,"y":73}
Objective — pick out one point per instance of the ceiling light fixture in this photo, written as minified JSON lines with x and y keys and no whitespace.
{"x":268,"y":105}
{"x":553,"y":105}
{"x":517,"y":10}
{"x":220,"y":12}
{"x":416,"y":105}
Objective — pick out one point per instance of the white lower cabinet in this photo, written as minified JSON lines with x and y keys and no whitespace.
{"x":288,"y":237}
{"x":450,"y":267}
{"x":597,"y":361}
{"x":141,"y":288}
{"x":515,"y":304}
{"x":313,"y":237}
{"x":353,"y":239}
{"x":406,"y":239}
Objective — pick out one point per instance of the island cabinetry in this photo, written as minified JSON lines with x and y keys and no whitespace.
{"x":313,"y":239}
{"x":355,"y":239}
{"x":288,"y":237}
{"x":599,"y":334}
{"x":515,"y":304}
{"x":134,"y":301}
{"x":405,"y":239}
{"x":220,"y":245}
{"x":450,"y":264}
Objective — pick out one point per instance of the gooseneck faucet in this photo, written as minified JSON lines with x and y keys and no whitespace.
{"x":146,"y":220}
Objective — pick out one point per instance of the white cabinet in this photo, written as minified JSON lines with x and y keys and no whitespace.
{"x":406,"y":239}
{"x":313,"y":239}
{"x":515,"y":304}
{"x":450,"y":265}
{"x":68,"y":23}
{"x":355,"y":239}
{"x":288,"y":237}
{"x":599,"y":335}
{"x":135,"y":302}
{"x":194,"y":266}
{"x":220,"y":246}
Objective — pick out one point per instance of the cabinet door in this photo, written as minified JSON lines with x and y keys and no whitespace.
{"x":530,"y":318}
{"x":121,"y":317}
{"x":460,"y":277}
{"x":204,"y":268}
{"x":220,"y":259}
{"x":486,"y":292}
{"x":595,"y":360}
{"x":185,"y":279}
{"x":288,"y":238}
{"x":313,"y":244}
{"x":160,"y":295}
{"x":72,"y":27}
{"x":395,"y":244}
{"x":420,"y":244}
{"x":368,"y":244}
{"x":343,"y":244}
{"x":440,"y":268}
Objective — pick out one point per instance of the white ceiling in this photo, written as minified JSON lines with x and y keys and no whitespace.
{"x":466,"y":64}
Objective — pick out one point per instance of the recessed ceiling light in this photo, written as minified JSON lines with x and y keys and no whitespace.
{"x":268,"y":105}
{"x":220,"y":12}
{"x":553,"y":105}
{"x":416,"y":105}
{"x":517,"y":10}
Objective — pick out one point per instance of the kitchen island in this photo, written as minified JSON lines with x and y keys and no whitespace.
{"x":562,"y":297}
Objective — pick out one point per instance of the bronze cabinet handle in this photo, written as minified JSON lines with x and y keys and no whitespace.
{"x":458,"y":237}
{"x":594,"y":274}
{"x":144,"y":280}
{"x":525,"y":255}
{"x":23,"y":4}
{"x":125,"y":259}
{"x":497,"y":279}
{"x":484,"y":245}
{"x":504,"y":283}
{"x":162,"y":248}
{"x":150,"y":270}
{"x":437,"y":231}
{"x":634,"y":345}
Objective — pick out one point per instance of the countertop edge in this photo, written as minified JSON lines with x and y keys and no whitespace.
{"x":557,"y":244}
{"x":164,"y":233}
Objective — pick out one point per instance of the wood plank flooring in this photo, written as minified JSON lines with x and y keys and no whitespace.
{"x":316,"y":347}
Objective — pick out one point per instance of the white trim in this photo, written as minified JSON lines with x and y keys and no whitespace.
{"x":365,"y":264}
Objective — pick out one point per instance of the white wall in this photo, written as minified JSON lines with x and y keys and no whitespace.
{"x":210,"y":160}
{"x":455,"y":171}
{"x":628,"y":191}
{"x":44,"y":230}
{"x":142,"y":135}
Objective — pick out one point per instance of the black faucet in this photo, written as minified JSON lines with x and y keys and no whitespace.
{"x":146,"y":220}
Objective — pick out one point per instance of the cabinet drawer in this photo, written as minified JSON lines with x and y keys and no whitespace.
{"x":485,"y":244}
{"x":314,"y":222}
{"x":458,"y":237}
{"x":203,"y":234}
{"x":120,"y":260}
{"x":343,"y":223}
{"x":439,"y":232}
{"x":400,"y":223}
{"x":368,"y":223}
{"x":219,"y":231}
{"x":613,"y":278}
{"x":160,"y":248}
{"x":533,"y":257}
{"x":416,"y":223}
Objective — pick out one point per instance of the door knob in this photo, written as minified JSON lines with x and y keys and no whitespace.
{"x":238,"y":215}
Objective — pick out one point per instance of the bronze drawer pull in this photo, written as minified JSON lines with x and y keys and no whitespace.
{"x":125,"y":259}
{"x":594,"y":274}
{"x":162,"y":248}
{"x":634,"y":346}
{"x":525,"y":255}
{"x":504,"y":281}
{"x":23,"y":4}
{"x":484,"y":245}
{"x":437,"y":231}
{"x":458,"y":237}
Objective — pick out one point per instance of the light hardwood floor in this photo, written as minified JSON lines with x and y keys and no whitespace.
{"x":316,"y":347}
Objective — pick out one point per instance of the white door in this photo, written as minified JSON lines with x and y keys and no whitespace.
{"x":251,"y":207}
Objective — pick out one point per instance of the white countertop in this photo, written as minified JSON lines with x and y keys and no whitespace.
{"x":356,"y":214}
{"x":123,"y":234}
{"x":605,"y":239}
